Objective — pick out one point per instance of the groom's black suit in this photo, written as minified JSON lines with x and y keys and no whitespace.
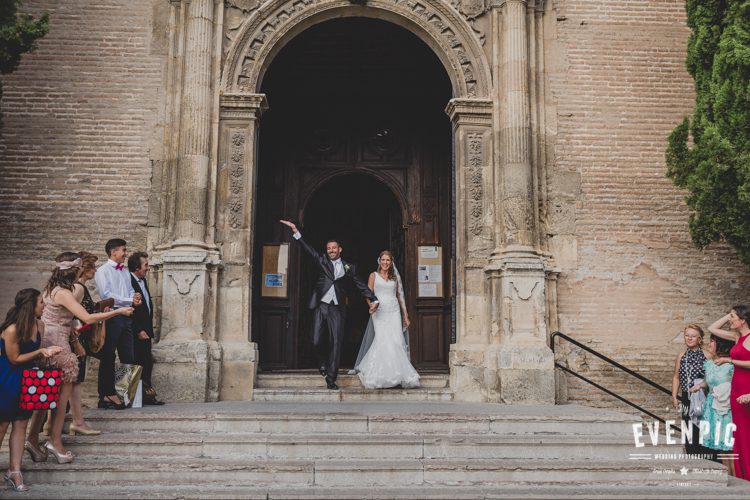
{"x":329,"y":317}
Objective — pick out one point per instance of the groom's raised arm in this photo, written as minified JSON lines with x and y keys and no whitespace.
{"x":298,"y":236}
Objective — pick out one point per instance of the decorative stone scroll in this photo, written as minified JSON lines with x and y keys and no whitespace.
{"x":476,"y":191}
{"x":243,"y":5}
{"x":471,"y":10}
{"x":236,"y":179}
{"x":267,"y":25}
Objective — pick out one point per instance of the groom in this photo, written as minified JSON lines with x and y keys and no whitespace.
{"x":327,"y":303}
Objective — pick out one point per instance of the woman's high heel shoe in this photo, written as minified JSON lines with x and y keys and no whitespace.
{"x":84,"y":431}
{"x":37,"y":453}
{"x":12,"y":484}
{"x":62,"y":458}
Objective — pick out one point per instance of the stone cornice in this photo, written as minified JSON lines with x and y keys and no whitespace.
{"x":243,"y":105}
{"x":474,"y":111}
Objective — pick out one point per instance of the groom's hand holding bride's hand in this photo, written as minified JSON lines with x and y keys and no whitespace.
{"x":290,"y":225}
{"x":374,"y":307}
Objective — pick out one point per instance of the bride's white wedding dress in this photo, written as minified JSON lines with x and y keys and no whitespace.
{"x":386,"y":363}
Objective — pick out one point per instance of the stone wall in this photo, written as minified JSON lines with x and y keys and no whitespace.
{"x":80,"y":123}
{"x":631,"y":278}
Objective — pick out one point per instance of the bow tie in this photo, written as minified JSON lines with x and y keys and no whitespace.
{"x":119,"y":267}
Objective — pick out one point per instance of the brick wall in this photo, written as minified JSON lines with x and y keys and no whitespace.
{"x":82,"y":121}
{"x":80,"y":117}
{"x":632,"y":279}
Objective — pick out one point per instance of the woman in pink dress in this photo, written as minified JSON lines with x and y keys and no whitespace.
{"x":739,"y":332}
{"x":60,"y":307}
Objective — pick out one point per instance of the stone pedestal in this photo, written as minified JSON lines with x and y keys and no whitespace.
{"x":187,"y":358}
{"x":520,"y":357}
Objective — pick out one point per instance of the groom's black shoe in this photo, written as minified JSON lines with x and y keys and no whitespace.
{"x":331,"y":384}
{"x":322,"y":371}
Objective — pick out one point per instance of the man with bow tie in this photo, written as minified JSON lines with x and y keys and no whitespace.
{"x":113,"y":281}
{"x":143,"y":324}
{"x":328,"y":303}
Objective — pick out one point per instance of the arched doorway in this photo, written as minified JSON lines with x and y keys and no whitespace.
{"x":356,"y":137}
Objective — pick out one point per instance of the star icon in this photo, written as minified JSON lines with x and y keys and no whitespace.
{"x":684,"y":471}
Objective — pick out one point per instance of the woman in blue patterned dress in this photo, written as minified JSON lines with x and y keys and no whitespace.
{"x":19,"y":346}
{"x":716,"y":422}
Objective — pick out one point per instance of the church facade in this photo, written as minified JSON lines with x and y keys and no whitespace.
{"x":509,"y":152}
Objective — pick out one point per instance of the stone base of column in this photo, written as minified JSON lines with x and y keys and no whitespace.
{"x":238,"y":371}
{"x":188,"y":359}
{"x":519,"y":364}
{"x":526,"y":375}
{"x":469,"y":379}
{"x":187,"y":370}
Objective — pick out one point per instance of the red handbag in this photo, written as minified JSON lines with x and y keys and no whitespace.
{"x":40,"y":388}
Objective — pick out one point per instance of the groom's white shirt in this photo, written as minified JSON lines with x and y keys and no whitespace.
{"x":338,"y":272}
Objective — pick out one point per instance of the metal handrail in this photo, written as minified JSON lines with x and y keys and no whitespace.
{"x":616,"y":365}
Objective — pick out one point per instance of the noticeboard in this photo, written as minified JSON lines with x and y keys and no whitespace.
{"x":275,"y":266}
{"x":430,"y":271}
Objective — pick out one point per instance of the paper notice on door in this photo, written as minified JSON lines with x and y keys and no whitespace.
{"x":283,"y":262}
{"x":428,"y":252}
{"x":428,"y":290}
{"x":427,"y":273}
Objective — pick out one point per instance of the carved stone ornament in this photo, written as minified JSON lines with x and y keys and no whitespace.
{"x":476,"y":191}
{"x":236,"y":180}
{"x":255,"y":39}
{"x":243,"y":5}
{"x":183,"y":282}
{"x":470,"y":9}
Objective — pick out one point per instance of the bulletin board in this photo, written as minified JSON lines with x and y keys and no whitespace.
{"x":430,"y":271}
{"x":275,"y":265}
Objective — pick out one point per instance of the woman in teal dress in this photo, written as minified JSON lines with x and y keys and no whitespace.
{"x":716,"y":424}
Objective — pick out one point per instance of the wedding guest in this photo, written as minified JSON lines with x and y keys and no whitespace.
{"x":688,"y":367}
{"x":113,"y":281}
{"x":60,"y":307}
{"x":88,"y":269}
{"x":717,"y":415}
{"x":143,"y":325}
{"x":739,"y":356}
{"x":20,"y":341}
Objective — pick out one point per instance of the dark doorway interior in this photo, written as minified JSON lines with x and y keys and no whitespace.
{"x":364,"y":215}
{"x":355,"y":145}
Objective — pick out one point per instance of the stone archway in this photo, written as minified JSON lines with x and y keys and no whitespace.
{"x":271,"y":26}
{"x":268,"y":29}
{"x":209,"y":181}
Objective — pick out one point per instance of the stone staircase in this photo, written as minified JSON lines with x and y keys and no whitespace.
{"x":369,"y":450}
{"x":307,"y":385}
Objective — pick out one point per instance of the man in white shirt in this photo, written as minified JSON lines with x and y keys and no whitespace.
{"x":113,"y":282}
{"x":328,"y":303}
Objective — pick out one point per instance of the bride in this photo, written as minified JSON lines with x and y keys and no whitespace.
{"x":383,"y":359}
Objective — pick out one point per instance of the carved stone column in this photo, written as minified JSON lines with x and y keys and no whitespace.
{"x":188,"y":356}
{"x":238,"y":127}
{"x":472,"y":133}
{"x":520,"y":360}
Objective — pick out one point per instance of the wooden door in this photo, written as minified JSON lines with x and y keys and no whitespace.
{"x":372,"y":187}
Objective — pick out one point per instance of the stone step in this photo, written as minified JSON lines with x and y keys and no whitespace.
{"x":310,"y":380}
{"x":351,"y":394}
{"x":361,"y":473}
{"x":310,"y":446}
{"x":360,"y":418}
{"x":736,"y":490}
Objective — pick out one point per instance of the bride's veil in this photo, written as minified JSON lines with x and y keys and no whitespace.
{"x":369,"y":335}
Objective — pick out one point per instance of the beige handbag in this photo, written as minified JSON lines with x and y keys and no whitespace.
{"x":127,"y":378}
